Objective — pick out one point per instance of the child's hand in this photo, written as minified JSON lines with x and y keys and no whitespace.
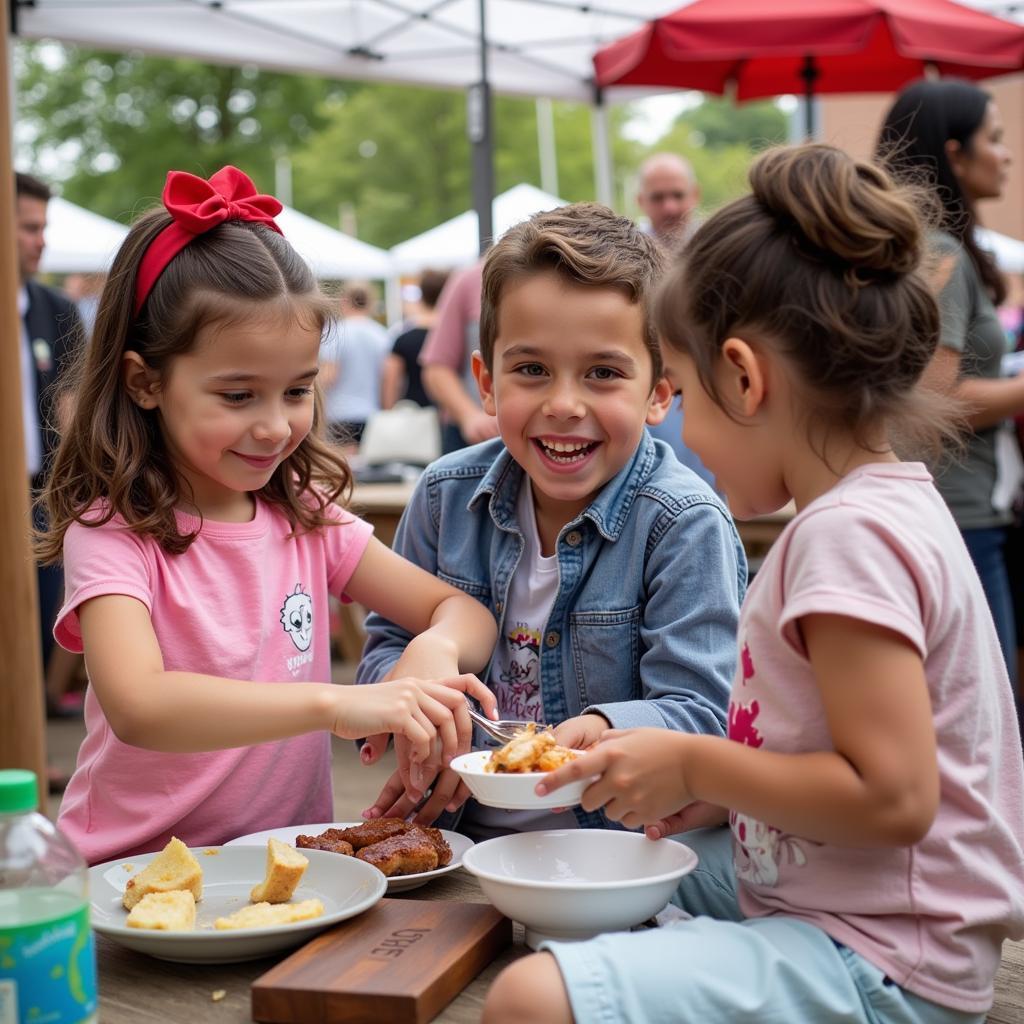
{"x":581,"y":732}
{"x":640,"y":775}
{"x":416,"y":709}
{"x":696,"y":815}
{"x":448,"y":793}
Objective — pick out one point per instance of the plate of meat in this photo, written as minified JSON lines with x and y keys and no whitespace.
{"x":409,"y":855}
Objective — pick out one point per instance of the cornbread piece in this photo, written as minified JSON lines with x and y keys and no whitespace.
{"x":173,"y":911}
{"x":266,"y":915}
{"x":370,"y":832}
{"x":407,"y":854}
{"x":174,"y":867}
{"x":285,"y":867}
{"x":329,"y":840}
{"x":530,"y":751}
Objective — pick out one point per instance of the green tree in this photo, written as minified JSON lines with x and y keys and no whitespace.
{"x":399,"y":157}
{"x":720,"y":122}
{"x":720,"y":139}
{"x":117,"y":122}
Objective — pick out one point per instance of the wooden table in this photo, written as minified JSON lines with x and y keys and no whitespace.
{"x":136,"y":989}
{"x":382,"y":505}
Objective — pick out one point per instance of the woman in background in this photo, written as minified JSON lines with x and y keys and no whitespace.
{"x":949,"y":134}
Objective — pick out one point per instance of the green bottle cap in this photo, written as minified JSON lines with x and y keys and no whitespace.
{"x":19,"y":791}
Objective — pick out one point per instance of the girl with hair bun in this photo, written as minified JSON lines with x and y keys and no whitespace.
{"x":948,"y":135}
{"x":872,"y":776}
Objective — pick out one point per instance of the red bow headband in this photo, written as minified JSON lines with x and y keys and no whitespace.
{"x":197,"y":206}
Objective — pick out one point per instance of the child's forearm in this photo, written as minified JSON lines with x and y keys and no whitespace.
{"x":468,"y":627}
{"x":184,"y":712}
{"x":818,"y":795}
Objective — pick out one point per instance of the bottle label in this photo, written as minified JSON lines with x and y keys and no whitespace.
{"x":48,"y":971}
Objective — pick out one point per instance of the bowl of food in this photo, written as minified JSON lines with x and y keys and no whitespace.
{"x":571,"y":884}
{"x":507,"y":777}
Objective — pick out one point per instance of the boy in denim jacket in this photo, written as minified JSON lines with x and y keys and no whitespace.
{"x":614,"y":572}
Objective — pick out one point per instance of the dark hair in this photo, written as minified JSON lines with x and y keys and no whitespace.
{"x":821,"y":262}
{"x":27,"y":185}
{"x":912,"y":146}
{"x":586,"y":245}
{"x":432,"y":283}
{"x":358,"y":294}
{"x":112,"y":455}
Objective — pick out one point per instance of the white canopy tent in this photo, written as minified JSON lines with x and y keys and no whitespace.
{"x":454,"y":243}
{"x":332,"y":254}
{"x":78,"y":240}
{"x":519,"y":47}
{"x":535,"y":47}
{"x":1009,"y":252}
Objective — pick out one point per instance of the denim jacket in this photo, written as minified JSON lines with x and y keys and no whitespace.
{"x":651,"y":574}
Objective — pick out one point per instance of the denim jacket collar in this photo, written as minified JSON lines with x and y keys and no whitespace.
{"x":608,"y":511}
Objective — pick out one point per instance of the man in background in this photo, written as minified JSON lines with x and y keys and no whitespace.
{"x":352,"y":364}
{"x":50,"y":334}
{"x":668,"y":196}
{"x":446,"y":362}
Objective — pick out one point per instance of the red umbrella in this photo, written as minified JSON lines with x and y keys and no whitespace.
{"x":766,"y":48}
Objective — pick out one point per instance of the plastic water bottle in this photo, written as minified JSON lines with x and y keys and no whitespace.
{"x":47,"y":959}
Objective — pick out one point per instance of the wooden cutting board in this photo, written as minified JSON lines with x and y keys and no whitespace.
{"x":402,"y":962}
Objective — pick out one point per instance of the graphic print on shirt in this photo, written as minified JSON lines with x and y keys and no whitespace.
{"x":759,"y":847}
{"x":297,"y":621}
{"x":518,"y":685}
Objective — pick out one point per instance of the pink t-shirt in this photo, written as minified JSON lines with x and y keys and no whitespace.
{"x":458,"y":310}
{"x":881,"y":547}
{"x":245,"y":601}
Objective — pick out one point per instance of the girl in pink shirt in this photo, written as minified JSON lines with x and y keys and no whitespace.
{"x":196,"y":508}
{"x":872,"y":775}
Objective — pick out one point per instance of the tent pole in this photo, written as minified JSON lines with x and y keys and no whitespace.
{"x":479,"y":126}
{"x":393,"y":299}
{"x":602,"y":149}
{"x":21,"y":681}
{"x":544,"y":110}
{"x":810,"y":74}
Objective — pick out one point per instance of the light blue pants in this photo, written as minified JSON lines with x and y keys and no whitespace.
{"x":721,"y":967}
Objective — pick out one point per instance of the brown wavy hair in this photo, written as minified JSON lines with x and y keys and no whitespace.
{"x":112,"y":459}
{"x":824,"y":262}
{"x":587,"y":245}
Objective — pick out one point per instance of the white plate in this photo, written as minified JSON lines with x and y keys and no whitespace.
{"x":512,"y":790}
{"x":400,"y":883}
{"x":344,"y":885}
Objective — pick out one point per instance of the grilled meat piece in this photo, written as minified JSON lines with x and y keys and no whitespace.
{"x":406,"y":854}
{"x":370,"y":832}
{"x":329,"y":840}
{"x":444,"y":851}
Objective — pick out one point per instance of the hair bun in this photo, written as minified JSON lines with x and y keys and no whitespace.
{"x":847,"y":211}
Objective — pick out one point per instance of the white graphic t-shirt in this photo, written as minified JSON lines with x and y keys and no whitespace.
{"x":515,"y":670}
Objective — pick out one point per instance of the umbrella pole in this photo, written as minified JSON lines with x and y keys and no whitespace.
{"x":21,"y":682}
{"x":478,"y":123}
{"x":809,"y":73}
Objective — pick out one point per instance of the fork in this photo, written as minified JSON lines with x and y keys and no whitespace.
{"x":502,"y":731}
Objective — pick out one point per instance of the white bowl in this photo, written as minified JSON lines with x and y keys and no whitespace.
{"x":512,"y":789}
{"x":576,"y":883}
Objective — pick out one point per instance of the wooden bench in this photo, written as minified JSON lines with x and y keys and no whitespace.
{"x":1009,"y":1004}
